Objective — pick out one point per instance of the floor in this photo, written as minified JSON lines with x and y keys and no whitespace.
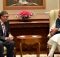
{"x":34,"y":55}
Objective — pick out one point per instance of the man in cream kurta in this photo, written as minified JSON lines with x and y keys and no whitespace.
{"x":54,"y":41}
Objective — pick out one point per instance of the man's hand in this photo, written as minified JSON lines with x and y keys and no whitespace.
{"x":9,"y":38}
{"x":6,"y":38}
{"x":53,"y":31}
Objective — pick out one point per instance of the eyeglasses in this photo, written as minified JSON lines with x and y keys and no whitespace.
{"x":6,"y":16}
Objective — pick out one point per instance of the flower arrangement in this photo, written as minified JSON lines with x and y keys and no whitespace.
{"x":25,"y":14}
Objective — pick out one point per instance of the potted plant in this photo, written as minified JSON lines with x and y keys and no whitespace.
{"x":25,"y":15}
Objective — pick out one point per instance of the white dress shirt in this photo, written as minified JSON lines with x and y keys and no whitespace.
{"x":3,"y":28}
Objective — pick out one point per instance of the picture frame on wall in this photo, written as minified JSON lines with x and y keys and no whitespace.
{"x":23,"y":4}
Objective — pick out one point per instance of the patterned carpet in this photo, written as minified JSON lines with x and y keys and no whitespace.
{"x":42,"y":55}
{"x":34,"y":55}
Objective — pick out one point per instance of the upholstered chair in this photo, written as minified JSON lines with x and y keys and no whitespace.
{"x":53,"y":16}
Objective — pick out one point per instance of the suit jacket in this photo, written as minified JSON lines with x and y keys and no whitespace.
{"x":2,"y":38}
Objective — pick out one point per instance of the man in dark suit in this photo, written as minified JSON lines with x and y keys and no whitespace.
{"x":6,"y":39}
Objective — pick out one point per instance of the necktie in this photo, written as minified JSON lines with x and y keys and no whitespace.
{"x":4,"y":30}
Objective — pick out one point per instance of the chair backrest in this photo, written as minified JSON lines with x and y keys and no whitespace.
{"x":53,"y":16}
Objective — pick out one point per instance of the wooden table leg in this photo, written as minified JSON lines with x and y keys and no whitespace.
{"x":21,"y":49}
{"x":38,"y":50}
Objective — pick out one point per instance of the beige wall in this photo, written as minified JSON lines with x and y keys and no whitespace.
{"x":59,"y":4}
{"x":50,"y":4}
{"x":1,"y":5}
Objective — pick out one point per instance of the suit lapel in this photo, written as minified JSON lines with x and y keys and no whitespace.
{"x":1,"y":31}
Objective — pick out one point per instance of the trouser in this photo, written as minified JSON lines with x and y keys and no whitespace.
{"x":10,"y":47}
{"x":53,"y":47}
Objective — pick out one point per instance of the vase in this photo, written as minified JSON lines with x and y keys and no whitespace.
{"x":25,"y":19}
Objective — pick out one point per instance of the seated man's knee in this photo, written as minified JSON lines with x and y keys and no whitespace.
{"x":11,"y":43}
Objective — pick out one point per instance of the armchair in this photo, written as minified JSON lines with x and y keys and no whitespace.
{"x":53,"y":16}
